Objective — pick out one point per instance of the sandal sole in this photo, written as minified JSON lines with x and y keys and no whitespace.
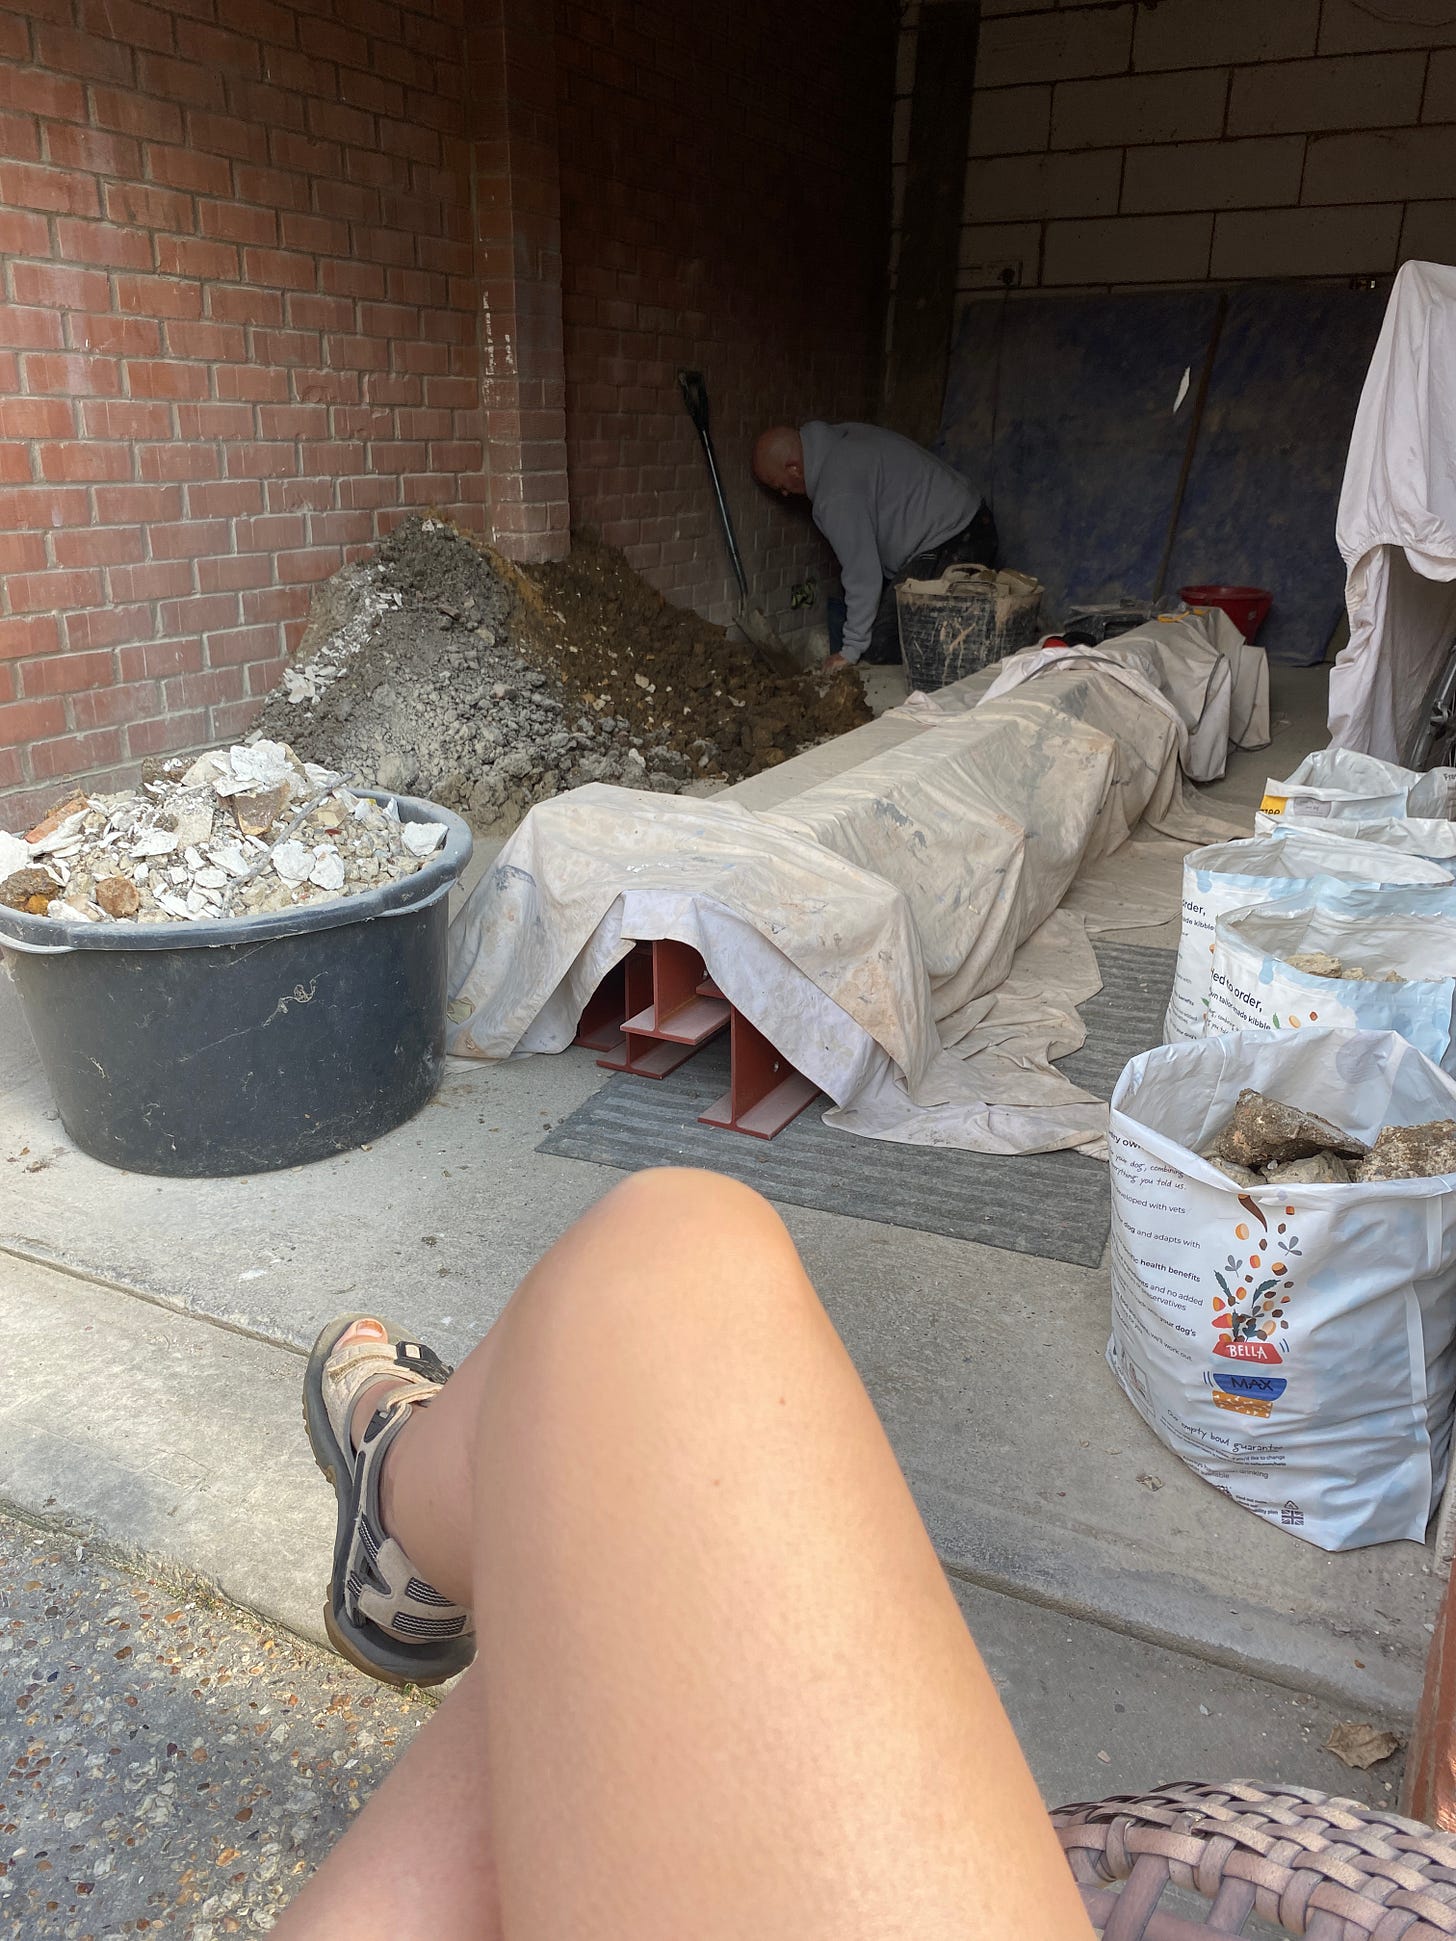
{"x":363,"y":1645}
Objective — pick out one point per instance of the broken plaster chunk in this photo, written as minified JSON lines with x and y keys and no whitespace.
{"x":292,"y":862}
{"x":328,"y":868}
{"x":208,"y":770}
{"x":1265,"y":1131}
{"x":260,"y":765}
{"x":193,"y":816}
{"x":154,"y":842}
{"x":1320,"y":1169}
{"x":14,"y":854}
{"x":422,"y":838}
{"x":1411,"y":1152}
{"x":63,"y":839}
{"x":229,"y":856}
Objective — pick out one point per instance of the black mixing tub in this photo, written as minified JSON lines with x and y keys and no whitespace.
{"x":242,"y":1044}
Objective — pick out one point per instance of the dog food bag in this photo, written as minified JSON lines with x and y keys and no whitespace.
{"x":1337,"y":782}
{"x":1294,"y":1344}
{"x":1258,"y":869}
{"x":1358,"y":961}
{"x":1413,"y":835}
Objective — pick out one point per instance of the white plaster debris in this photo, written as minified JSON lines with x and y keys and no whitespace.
{"x":292,"y":862}
{"x":327,"y":865}
{"x":422,"y":838}
{"x":180,"y":840}
{"x":305,"y":683}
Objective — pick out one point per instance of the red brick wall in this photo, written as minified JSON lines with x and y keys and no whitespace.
{"x":724,"y":182}
{"x":245,"y":252}
{"x":237,"y":342}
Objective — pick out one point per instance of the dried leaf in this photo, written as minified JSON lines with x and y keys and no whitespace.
{"x":1360,"y":1744}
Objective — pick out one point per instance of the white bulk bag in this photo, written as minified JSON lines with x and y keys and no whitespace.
{"x":1293,"y":1344}
{"x":1256,"y":869}
{"x":1413,"y":835}
{"x":1335,"y":782}
{"x":1255,"y":987}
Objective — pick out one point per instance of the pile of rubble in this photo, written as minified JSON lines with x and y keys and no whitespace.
{"x":1269,"y":1143}
{"x":236,"y":832}
{"x":440,"y":669}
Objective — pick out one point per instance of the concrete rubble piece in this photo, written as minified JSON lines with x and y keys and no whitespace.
{"x":1268,"y":1142}
{"x":1266,"y":1132}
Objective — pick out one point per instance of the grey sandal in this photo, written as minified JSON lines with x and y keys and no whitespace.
{"x":381,"y":1615}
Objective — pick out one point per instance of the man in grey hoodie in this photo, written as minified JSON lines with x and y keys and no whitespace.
{"x":890,"y":510}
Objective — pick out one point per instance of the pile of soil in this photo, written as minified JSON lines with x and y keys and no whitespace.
{"x":676,"y":675}
{"x":440,"y":669}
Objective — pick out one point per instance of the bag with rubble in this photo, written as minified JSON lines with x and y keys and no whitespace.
{"x":1337,"y":782}
{"x":1292,"y":1343}
{"x":1359,"y":961}
{"x":1260,"y":869}
{"x":1413,"y":835}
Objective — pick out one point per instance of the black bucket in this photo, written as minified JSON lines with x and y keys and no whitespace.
{"x":245,"y":1043}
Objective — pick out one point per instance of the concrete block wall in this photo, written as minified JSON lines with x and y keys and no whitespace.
{"x":724,"y":208}
{"x":237,"y":341}
{"x":1115,"y":145}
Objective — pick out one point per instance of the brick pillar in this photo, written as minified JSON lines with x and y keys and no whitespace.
{"x":511,"y":68}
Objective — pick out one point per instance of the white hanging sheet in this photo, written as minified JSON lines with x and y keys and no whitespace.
{"x":1396,"y":526}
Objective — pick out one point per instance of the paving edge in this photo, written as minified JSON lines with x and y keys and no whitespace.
{"x":1075,"y":1575}
{"x":1003,"y":1551}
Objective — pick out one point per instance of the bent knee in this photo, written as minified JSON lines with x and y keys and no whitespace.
{"x":681,"y":1238}
{"x":690,"y":1193}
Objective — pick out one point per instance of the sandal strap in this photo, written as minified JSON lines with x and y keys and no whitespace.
{"x":349,"y":1371}
{"x":380,"y":1582}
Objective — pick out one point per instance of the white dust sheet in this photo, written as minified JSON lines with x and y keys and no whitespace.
{"x":895,"y":931}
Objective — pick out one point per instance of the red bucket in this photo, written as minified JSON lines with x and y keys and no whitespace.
{"x":1247,"y":606}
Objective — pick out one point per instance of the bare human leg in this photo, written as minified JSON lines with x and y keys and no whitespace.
{"x":722,"y":1687}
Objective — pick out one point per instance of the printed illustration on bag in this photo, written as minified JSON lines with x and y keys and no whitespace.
{"x":1249,"y":1310}
{"x":1291,"y":1021}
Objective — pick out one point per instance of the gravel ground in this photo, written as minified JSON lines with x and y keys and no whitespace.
{"x":171,"y":1766}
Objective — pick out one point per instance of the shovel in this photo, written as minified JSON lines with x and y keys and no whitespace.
{"x":751,"y":621}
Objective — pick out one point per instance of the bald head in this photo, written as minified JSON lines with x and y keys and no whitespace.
{"x":778,"y":460}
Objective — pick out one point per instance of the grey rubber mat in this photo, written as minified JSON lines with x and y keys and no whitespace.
{"x":1054,"y":1205}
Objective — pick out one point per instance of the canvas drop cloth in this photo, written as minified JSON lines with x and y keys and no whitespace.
{"x":1396,"y":526}
{"x":1194,"y":663}
{"x":894,"y":931}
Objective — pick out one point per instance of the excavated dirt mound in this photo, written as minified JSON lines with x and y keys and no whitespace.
{"x":676,"y":675}
{"x":440,"y":669}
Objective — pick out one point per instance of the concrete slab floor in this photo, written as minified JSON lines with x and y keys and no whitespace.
{"x":160,"y":1440}
{"x":1034,"y":1474}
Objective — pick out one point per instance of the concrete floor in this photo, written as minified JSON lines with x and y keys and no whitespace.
{"x":160,"y":1325}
